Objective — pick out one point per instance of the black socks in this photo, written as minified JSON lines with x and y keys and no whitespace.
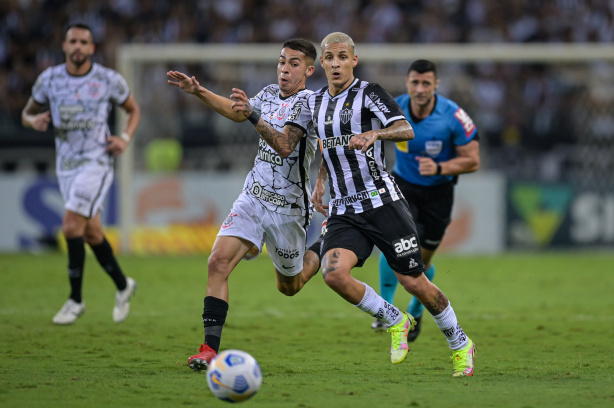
{"x":214,"y":317}
{"x":76,"y":261}
{"x":106,"y":259}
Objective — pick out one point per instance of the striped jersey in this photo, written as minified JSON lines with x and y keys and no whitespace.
{"x":436,"y":136}
{"x":358,"y":181}
{"x":80,"y":107}
{"x":282,"y":184}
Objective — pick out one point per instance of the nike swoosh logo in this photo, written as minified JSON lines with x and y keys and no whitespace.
{"x":286,"y":267}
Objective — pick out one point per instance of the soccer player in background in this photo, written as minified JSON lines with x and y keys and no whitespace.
{"x":351,"y":118}
{"x":426,"y":169}
{"x":274,"y":206}
{"x":76,"y":97}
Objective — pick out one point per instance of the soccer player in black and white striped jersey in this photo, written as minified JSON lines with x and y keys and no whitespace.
{"x":351,"y":118}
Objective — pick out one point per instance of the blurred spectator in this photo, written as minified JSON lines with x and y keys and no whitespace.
{"x":526,"y":112}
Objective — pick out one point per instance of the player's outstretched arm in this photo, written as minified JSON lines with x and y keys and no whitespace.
{"x":32,"y":117}
{"x":398,"y":131}
{"x":283,"y":143}
{"x":214,"y":101}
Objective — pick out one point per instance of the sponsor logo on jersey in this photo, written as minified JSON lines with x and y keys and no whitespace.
{"x":329,"y":120}
{"x":332,"y":142}
{"x":346,"y":115}
{"x":68,"y":115}
{"x":265,"y":154}
{"x":466,"y":121}
{"x":413,"y":263}
{"x":296,"y":111}
{"x":268,"y":196}
{"x":372,"y":164}
{"x":433,"y":147}
{"x":364,"y":195}
{"x":84,"y":195}
{"x":378,"y":102}
{"x":406,"y":246}
{"x":287,"y":253}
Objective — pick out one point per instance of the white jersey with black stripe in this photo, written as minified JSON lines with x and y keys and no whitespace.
{"x":358,"y":181}
{"x":80,"y":107}
{"x":282,"y":184}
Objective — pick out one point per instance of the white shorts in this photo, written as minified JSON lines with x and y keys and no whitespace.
{"x":285,"y":235}
{"x":85,"y":189}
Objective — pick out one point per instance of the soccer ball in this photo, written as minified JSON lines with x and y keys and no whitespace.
{"x":234,"y":376}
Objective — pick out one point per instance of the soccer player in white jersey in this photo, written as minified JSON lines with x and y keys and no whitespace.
{"x":274,"y":206}
{"x":76,"y":97}
{"x":351,"y":118}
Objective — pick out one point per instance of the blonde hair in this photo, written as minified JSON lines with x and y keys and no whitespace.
{"x":337,"y":37}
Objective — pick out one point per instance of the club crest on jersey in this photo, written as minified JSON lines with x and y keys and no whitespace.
{"x":433,"y":147}
{"x":281,"y":112}
{"x":229,"y":220}
{"x":93,"y":89}
{"x":346,"y":115}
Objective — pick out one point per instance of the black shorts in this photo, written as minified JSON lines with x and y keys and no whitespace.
{"x":431,"y":208}
{"x":389,"y":227}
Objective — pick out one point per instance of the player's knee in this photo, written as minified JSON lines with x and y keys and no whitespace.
{"x":287,"y":290}
{"x":415,"y":284}
{"x":93,"y":237}
{"x":71,"y":229}
{"x":217,"y":264}
{"x":334,"y":277}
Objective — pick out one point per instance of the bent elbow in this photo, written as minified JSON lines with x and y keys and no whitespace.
{"x":475,"y":166}
{"x":285,"y":153}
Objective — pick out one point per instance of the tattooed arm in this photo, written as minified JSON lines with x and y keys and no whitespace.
{"x":399,"y":131}
{"x":283,"y":143}
{"x":319,"y":189}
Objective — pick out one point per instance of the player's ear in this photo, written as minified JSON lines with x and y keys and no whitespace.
{"x":354,"y":61}
{"x":310,"y":71}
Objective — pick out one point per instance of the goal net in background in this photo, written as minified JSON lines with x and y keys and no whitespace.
{"x":544,"y":114}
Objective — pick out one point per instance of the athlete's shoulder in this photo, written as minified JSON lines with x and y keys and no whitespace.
{"x":54,"y":71}
{"x":101,"y":70}
{"x":446,"y":106}
{"x":304,"y":93}
{"x":269,"y":92}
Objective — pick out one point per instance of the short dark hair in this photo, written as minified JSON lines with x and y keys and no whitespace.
{"x":302,"y":45}
{"x":81,"y":26}
{"x":421,"y":66}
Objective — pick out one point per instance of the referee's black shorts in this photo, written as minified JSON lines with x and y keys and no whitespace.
{"x":431,"y":207}
{"x":389,"y":227}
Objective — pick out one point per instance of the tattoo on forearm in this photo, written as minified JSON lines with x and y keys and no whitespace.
{"x":437,"y":304}
{"x":400,"y":131}
{"x":280,"y":142}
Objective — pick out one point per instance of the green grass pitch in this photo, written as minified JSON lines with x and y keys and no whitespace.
{"x":543,"y":325}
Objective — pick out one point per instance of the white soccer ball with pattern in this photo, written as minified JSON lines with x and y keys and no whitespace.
{"x":234,"y":376}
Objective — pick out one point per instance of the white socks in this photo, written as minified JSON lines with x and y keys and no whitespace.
{"x":449,"y":326}
{"x":376,"y":306}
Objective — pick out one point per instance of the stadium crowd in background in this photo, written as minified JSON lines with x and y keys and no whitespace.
{"x":548,"y":115}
